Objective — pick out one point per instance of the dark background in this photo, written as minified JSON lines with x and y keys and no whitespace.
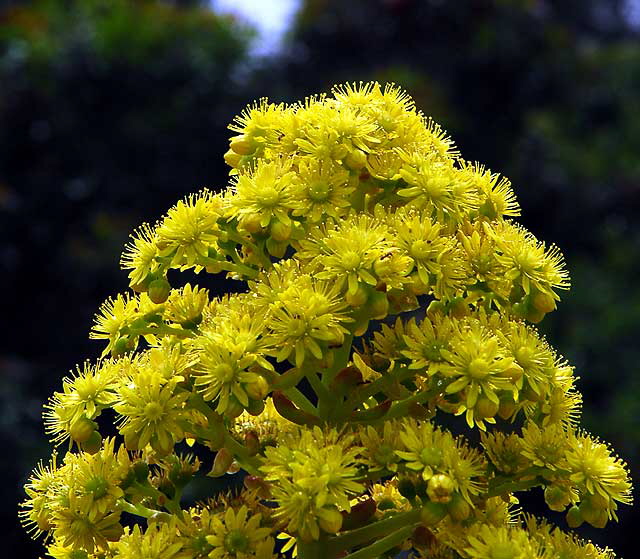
{"x":110,"y":111}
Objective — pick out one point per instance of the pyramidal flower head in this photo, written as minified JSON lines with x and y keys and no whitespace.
{"x":382,"y":304}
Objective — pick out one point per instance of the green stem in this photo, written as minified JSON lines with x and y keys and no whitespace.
{"x":323,"y":394}
{"x":138,"y":510}
{"x":249,"y":463}
{"x":361,"y":394}
{"x":353,"y":538}
{"x":514,"y":486}
{"x":313,"y":550}
{"x":375,"y":550}
{"x":300,"y":400}
{"x":238,"y":268}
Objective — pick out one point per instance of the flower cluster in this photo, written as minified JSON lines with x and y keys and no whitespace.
{"x":389,"y":292}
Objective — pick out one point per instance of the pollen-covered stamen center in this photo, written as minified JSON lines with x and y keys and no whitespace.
{"x":351,"y":260}
{"x":236,"y":541}
{"x":153,"y":411}
{"x":97,"y":486}
{"x":319,"y":191}
{"x":524,"y":356}
{"x":225,"y":372}
{"x":420,"y":249}
{"x":297,"y":328}
{"x":269,"y":196}
{"x":431,"y":456}
{"x":478,"y":368}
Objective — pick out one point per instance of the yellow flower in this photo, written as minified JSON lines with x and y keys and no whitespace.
{"x":347,"y":250}
{"x":78,"y":524}
{"x":151,"y":409}
{"x":83,"y":397}
{"x":480,"y":369}
{"x":546,"y":447}
{"x":140,"y":256}
{"x":190,"y":230}
{"x":158,"y":541}
{"x":236,"y":534}
{"x":595,"y":470}
{"x":112,"y":321}
{"x":495,"y":196}
{"x":326,"y":189}
{"x":268,"y":194}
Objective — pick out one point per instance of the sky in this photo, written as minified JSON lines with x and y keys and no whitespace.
{"x":271,"y":18}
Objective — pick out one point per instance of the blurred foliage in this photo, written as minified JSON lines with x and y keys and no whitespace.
{"x":110,"y":110}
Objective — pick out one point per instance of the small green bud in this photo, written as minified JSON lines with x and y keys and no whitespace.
{"x":407,"y":489}
{"x":160,"y":517}
{"x":458,"y":508}
{"x":432,"y":513}
{"x":82,"y":429}
{"x":159,"y":290}
{"x":485,"y":408}
{"x":544,"y":302}
{"x":276,"y":248}
{"x":358,"y":298}
{"x":255,"y":407}
{"x":232,"y":159}
{"x":258,"y":389}
{"x":241,"y":145}
{"x":557,"y":498}
{"x":93,"y":444}
{"x":378,"y":305}
{"x":280,"y":232}
{"x":330,"y":520}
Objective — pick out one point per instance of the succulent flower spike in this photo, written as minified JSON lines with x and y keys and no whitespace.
{"x":349,"y":215}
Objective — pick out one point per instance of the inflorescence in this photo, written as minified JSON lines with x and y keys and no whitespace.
{"x":389,"y":293}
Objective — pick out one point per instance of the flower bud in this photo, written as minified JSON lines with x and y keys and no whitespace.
{"x":255,"y":407}
{"x":252,"y":442}
{"x":544,"y":302}
{"x":159,"y":517}
{"x":485,"y":408}
{"x":241,"y":145}
{"x":440,"y":488}
{"x":257,"y":389}
{"x":356,"y":159}
{"x":574,"y":517}
{"x":406,"y":488}
{"x":232,"y":158}
{"x":258,"y":484}
{"x":82,"y":429}
{"x":358,"y":298}
{"x":159,"y":290}
{"x":280,"y":232}
{"x":93,"y":444}
{"x":330,"y":520}
{"x":458,"y":508}
{"x":378,"y":305}
{"x":432,"y":513}
{"x":275,"y":248}
{"x":221,"y":463}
